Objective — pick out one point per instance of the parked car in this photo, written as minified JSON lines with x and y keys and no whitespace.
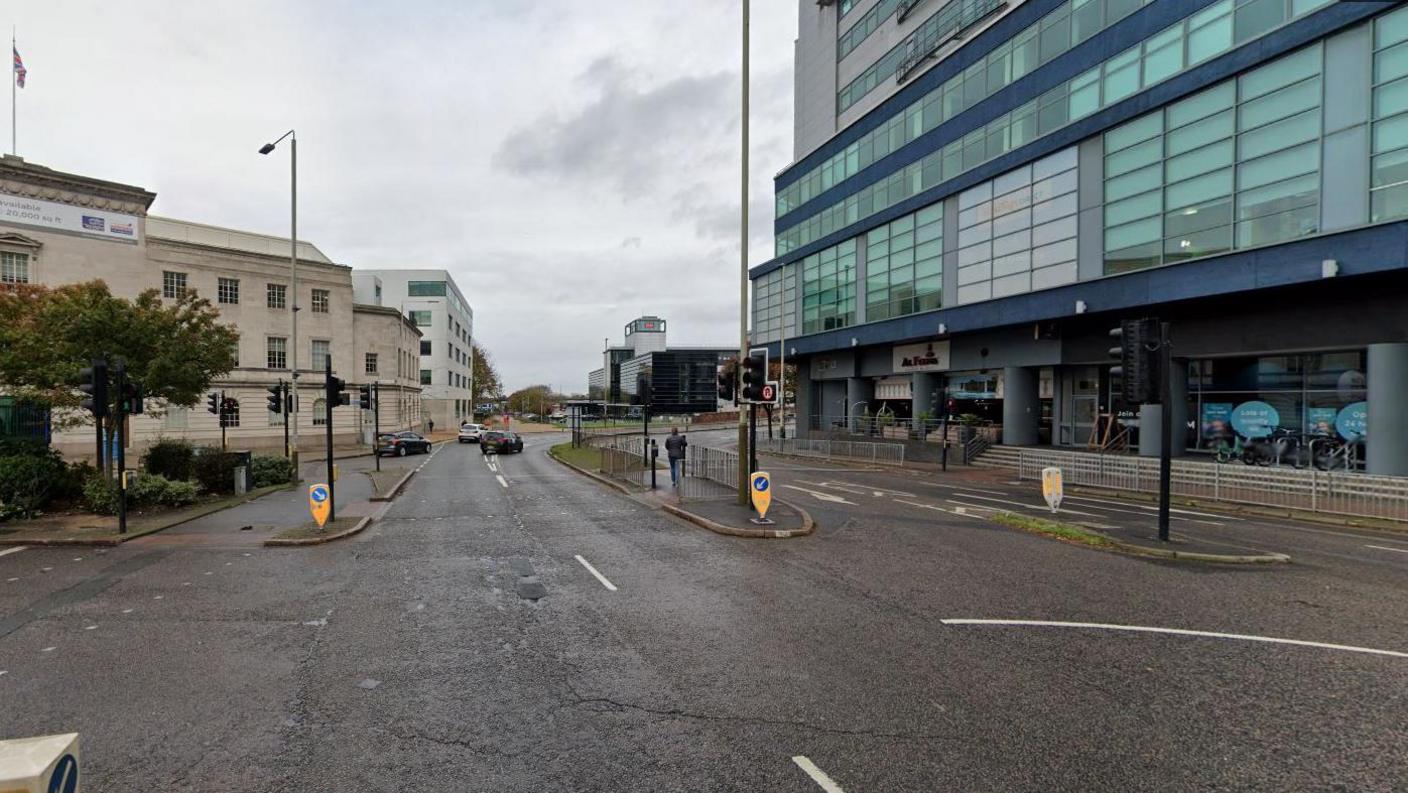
{"x":499,"y":442}
{"x":469,"y":433}
{"x":400,"y":444}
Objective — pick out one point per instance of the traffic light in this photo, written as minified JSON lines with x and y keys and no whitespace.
{"x":1136,"y":349}
{"x":276,"y":397}
{"x":335,"y":396}
{"x":364,"y":397}
{"x":212,"y":403}
{"x":133,"y":400}
{"x":728,"y":380}
{"x":755,"y":374}
{"x":95,"y":386}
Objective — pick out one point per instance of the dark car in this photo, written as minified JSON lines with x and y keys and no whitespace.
{"x":500,"y":442}
{"x":400,"y":444}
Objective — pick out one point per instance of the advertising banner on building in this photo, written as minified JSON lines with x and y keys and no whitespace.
{"x":52,"y":215}
{"x":930,"y":356}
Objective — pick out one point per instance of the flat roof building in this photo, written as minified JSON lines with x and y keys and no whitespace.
{"x":982,"y":189}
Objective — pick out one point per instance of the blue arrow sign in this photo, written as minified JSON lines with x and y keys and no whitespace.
{"x":319,"y":494}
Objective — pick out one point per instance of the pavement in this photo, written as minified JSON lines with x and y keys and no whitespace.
{"x":518,"y":627}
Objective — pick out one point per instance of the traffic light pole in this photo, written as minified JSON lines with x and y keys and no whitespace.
{"x":743,"y":272}
{"x":284,"y":403}
{"x":328,"y":401}
{"x":752,"y":438}
{"x":120,"y":370}
{"x":1165,"y":429}
{"x":376,"y":422}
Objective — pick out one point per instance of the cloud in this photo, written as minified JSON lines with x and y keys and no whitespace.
{"x":631,"y":242}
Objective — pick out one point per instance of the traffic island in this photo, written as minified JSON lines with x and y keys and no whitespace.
{"x":1135,"y":541}
{"x":387,"y":484}
{"x":311,"y":533}
{"x":725,"y":516}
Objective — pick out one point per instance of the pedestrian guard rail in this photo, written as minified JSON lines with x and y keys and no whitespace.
{"x":709,"y":473}
{"x":890,"y":453}
{"x":623,"y":457}
{"x":1329,"y":492}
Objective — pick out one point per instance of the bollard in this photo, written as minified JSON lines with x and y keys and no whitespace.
{"x":47,"y":763}
{"x":654,"y":455}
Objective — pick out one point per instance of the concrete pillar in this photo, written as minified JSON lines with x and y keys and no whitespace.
{"x":1021,"y":406}
{"x":922,"y":396}
{"x":1386,"y":433}
{"x":859,"y":389}
{"x":805,"y":396}
{"x":1150,"y":416}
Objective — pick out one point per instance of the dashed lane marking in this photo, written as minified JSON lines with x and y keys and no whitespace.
{"x":936,"y":509}
{"x":1011,"y":504}
{"x":593,"y":571}
{"x":1176,"y":632}
{"x":1386,"y":548}
{"x":15,"y":549}
{"x":501,"y":479}
{"x":818,"y":776}
{"x":1093,"y":505}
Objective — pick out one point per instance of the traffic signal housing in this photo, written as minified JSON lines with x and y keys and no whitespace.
{"x":755,"y":374}
{"x":133,"y":399}
{"x":1137,"y":350}
{"x":95,"y":387}
{"x":643,"y":391}
{"x":335,"y":387}
{"x":364,"y":397}
{"x":212,"y":403}
{"x":728,"y":381}
{"x":276,"y":397}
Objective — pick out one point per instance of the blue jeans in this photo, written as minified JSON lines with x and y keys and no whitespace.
{"x":675,"y":465}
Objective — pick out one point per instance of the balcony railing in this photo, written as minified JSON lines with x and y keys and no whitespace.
{"x":949,"y":24}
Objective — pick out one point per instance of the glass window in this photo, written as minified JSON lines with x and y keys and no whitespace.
{"x":1256,"y":17}
{"x":321,"y":300}
{"x":173,"y":285}
{"x":1199,"y":161}
{"x":1215,"y":99}
{"x":370,"y":363}
{"x":230,"y":412}
{"x":425,"y":377}
{"x":177,"y":417}
{"x":276,"y":352}
{"x":320,"y":412}
{"x":276,"y":295}
{"x":420,"y":319}
{"x":1200,"y":133}
{"x":1210,"y":32}
{"x":1280,"y":73}
{"x":1163,"y":55}
{"x":14,"y":268}
{"x":228,"y":290}
{"x":321,"y":350}
{"x":1279,"y":104}
{"x":1121,"y":76}
{"x":1279,"y":135}
{"x":425,"y":347}
{"x":1270,"y":168}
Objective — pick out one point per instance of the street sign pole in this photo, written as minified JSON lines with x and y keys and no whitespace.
{"x":120,"y":369}
{"x":752,"y":437}
{"x":1165,"y":429}
{"x":284,"y":401}
{"x":327,"y":421}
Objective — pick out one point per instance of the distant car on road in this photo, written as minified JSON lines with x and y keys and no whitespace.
{"x":469,"y":433}
{"x":400,"y":444}
{"x":499,"y":442}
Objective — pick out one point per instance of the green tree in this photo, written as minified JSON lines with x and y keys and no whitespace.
{"x":533,"y":399}
{"x":173,"y":348}
{"x":487,"y":385}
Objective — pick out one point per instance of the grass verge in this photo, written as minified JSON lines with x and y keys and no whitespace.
{"x":310,"y":529}
{"x":587,"y":457}
{"x":1061,"y":531}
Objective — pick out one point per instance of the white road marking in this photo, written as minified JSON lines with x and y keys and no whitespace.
{"x":1013,"y":504}
{"x":158,"y":597}
{"x":11,"y":580}
{"x":594,"y":572}
{"x":931,"y":506}
{"x":78,"y":558}
{"x":1386,"y":548}
{"x":501,"y":479}
{"x":1156,"y":509}
{"x":15,"y":549}
{"x":1176,"y":632}
{"x":90,"y":627}
{"x":48,"y":649}
{"x":4,"y":672}
{"x":1091,"y":502}
{"x":127,"y":611}
{"x":964,"y":488}
{"x":818,"y":776}
{"x":821,"y":496}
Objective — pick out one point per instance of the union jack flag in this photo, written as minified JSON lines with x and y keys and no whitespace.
{"x":20,"y":71}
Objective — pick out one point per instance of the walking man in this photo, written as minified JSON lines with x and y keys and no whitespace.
{"x":674,"y":448}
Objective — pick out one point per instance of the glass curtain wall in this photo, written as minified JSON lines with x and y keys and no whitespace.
{"x":829,"y":288}
{"x":1389,"y":196}
{"x":904,"y":265}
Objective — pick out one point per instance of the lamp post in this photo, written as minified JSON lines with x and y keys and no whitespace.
{"x":743,"y":472}
{"x":293,"y":277}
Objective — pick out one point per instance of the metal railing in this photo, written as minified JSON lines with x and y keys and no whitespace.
{"x":622,"y":457}
{"x":893,"y":428}
{"x":709,"y":473}
{"x":1330,"y":492}
{"x":949,"y":23}
{"x":888,"y":453}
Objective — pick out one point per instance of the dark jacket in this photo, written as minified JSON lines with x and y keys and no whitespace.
{"x":675,"y":446}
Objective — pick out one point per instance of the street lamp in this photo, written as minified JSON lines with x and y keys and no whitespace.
{"x":293,"y":275}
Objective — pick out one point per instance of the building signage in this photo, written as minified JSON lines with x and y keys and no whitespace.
{"x":1255,"y":419}
{"x":931,"y":356}
{"x":1352,"y":421}
{"x":66,"y":217}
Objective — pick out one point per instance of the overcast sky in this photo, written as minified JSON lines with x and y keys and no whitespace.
{"x":573,"y":165}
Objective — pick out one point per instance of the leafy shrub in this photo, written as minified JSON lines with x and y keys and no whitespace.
{"x":270,"y":470}
{"x":100,"y":495}
{"x":70,"y":485}
{"x":214,"y":470}
{"x":24,"y":447}
{"x":28,"y":483}
{"x":143,"y":491}
{"x":149,"y":490}
{"x":170,"y":458}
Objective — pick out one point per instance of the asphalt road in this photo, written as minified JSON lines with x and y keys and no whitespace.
{"x":517,"y":627}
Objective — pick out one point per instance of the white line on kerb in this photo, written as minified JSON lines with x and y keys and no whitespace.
{"x":16,"y":549}
{"x":818,"y":776}
{"x":1386,"y":548}
{"x":1177,"y":632}
{"x":594,"y":572}
{"x":502,"y":481}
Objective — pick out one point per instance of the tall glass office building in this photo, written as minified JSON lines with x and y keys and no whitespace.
{"x":982,"y":189}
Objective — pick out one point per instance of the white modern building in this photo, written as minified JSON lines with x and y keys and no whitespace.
{"x":434,"y":303}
